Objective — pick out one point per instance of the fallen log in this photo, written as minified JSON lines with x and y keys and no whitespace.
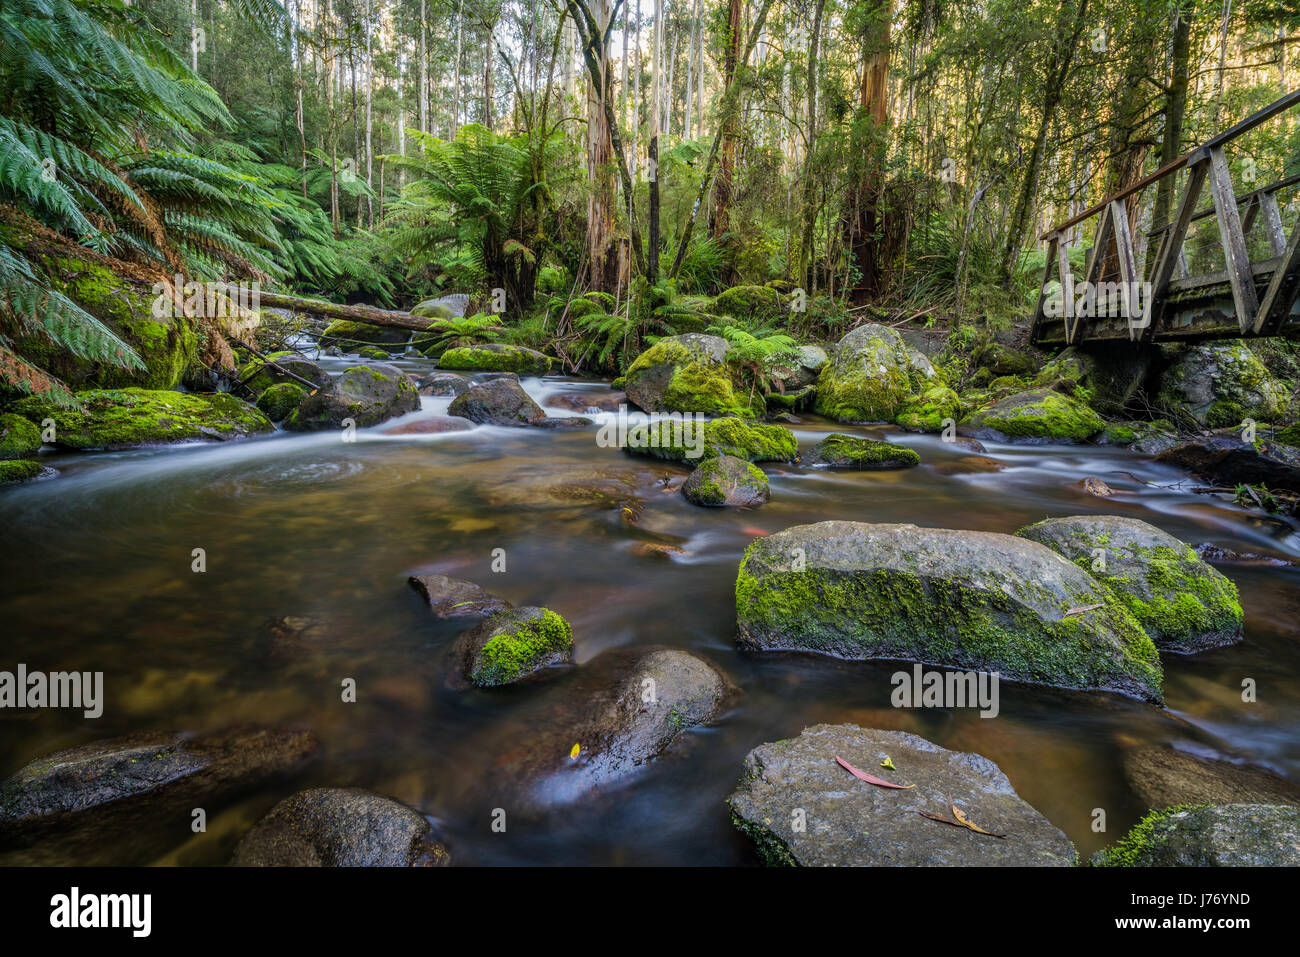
{"x":333,"y":310}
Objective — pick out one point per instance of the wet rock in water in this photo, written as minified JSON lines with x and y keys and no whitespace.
{"x":562,"y":423}
{"x":340,"y":827}
{"x":1219,"y":385}
{"x":1225,"y":835}
{"x":279,"y":401}
{"x":1148,"y":438}
{"x":367,"y":395}
{"x":13,"y":471}
{"x":126,"y":418}
{"x":1164,"y":777}
{"x":969,"y":444}
{"x":1185,"y":605}
{"x":588,"y":402}
{"x":686,"y":373}
{"x":372,"y":352}
{"x":1038,"y":415}
{"x":727,"y":481}
{"x":615,"y":726}
{"x":929,"y":411}
{"x":350,"y":336}
{"x":433,"y":425}
{"x":968,"y":465}
{"x":512,"y":646}
{"x":1228,"y":461}
{"x":572,"y":486}
{"x":850,"y":823}
{"x":1095,"y":486}
{"x":442,"y":383}
{"x":839,"y":451}
{"x":692,"y":440}
{"x":496,"y":357}
{"x":972,"y":600}
{"x":872,"y":376}
{"x":292,"y":635}
{"x":19,"y":438}
{"x":498,"y":402}
{"x":127,"y":800}
{"x":455,"y":598}
{"x":1217,"y":553}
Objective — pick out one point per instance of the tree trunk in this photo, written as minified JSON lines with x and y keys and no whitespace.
{"x":720,"y":223}
{"x":332,"y":310}
{"x":804,"y":275}
{"x":424,"y":69}
{"x":1175,"y":109}
{"x":862,"y":213}
{"x":656,"y":96}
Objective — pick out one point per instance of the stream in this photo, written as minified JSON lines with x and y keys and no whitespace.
{"x":96,"y":576}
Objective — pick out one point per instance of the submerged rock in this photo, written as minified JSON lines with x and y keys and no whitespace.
{"x":455,"y":598}
{"x":588,"y":402}
{"x":845,"y":822}
{"x":367,"y":395}
{"x":1225,"y":835}
{"x":340,"y":827}
{"x":433,"y":425}
{"x":1039,"y":414}
{"x":686,"y":373}
{"x":496,"y":357}
{"x":573,"y":486}
{"x":838,"y":451}
{"x":872,"y":376}
{"x":1184,"y":604}
{"x":125,"y":418}
{"x":442,"y":383}
{"x":127,"y":800}
{"x":976,"y":600}
{"x":1165,"y":777}
{"x":693,"y":440}
{"x":498,"y":402}
{"x":727,"y":481}
{"x":513,"y":646}
{"x":1228,"y":461}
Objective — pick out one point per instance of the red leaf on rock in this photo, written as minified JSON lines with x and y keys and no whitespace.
{"x":869,"y":778}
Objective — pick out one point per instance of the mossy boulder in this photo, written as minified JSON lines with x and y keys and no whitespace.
{"x":498,"y":402}
{"x":1218,"y":385}
{"x":872,"y":376}
{"x":1037,"y":415}
{"x":496,"y":357}
{"x":1227,"y":461}
{"x":850,"y":823}
{"x":928,"y":411}
{"x":1106,"y":376}
{"x":754,"y":303}
{"x":690,"y":439}
{"x":727,"y":481}
{"x":686,"y":373}
{"x":351,"y":336}
{"x":19,"y":438}
{"x":971,"y":600}
{"x":279,"y":401}
{"x":21,"y":470}
{"x":1184,"y":604}
{"x":340,"y":827}
{"x":839,"y":451}
{"x":434,"y":309}
{"x":1147,"y":438}
{"x":442,"y":383}
{"x":513,"y":645}
{"x":125,"y":418}
{"x":1223,"y":835}
{"x":277,"y":367}
{"x":367,"y":395}
{"x":1003,"y":360}
{"x":372,"y":352}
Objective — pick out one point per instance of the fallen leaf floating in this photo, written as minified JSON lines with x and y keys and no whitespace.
{"x":870,"y":778}
{"x":1081,"y":609}
{"x":888,"y":764}
{"x":574,"y":752}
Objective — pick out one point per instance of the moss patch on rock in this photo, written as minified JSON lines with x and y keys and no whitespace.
{"x":19,"y":438}
{"x":19,"y":470}
{"x":350,"y":336}
{"x":726,"y":480}
{"x":1038,"y":414}
{"x":515,"y":644}
{"x":280,"y":400}
{"x":496,"y":357}
{"x":839,"y":451}
{"x":873,"y":377}
{"x":927,"y":411}
{"x":687,"y":373}
{"x":679,"y":440}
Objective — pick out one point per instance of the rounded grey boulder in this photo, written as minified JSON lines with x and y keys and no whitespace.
{"x":801,"y":808}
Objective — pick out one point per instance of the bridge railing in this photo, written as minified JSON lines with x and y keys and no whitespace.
{"x":1154,"y":276}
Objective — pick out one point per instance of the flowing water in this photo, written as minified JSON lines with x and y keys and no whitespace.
{"x":95,"y":572}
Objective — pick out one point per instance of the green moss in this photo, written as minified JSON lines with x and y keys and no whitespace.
{"x":349,"y":335}
{"x":708,"y":485}
{"x":1225,"y":414}
{"x":18,"y":437}
{"x":1042,"y":414}
{"x":372,"y":352}
{"x":927,"y":412}
{"x":698,"y":383}
{"x":679,"y":440}
{"x":1133,"y":847}
{"x":774,"y":851}
{"x":19,"y":470}
{"x":749,"y":302}
{"x":122,"y":418}
{"x":280,"y":400}
{"x":850,"y":451}
{"x":512,"y":653}
{"x":496,"y":358}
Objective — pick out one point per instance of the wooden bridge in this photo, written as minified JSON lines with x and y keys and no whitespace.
{"x":1250,"y":290}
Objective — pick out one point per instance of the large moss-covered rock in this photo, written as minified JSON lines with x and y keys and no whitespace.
{"x":873,"y":376}
{"x":512,"y":646}
{"x":928,"y":411}
{"x":838,"y":451}
{"x":367,"y":395}
{"x":18,"y":437}
{"x":686,"y":373}
{"x":496,"y":357}
{"x":1219,"y":384}
{"x":1224,"y":835}
{"x":340,"y":827}
{"x":976,"y":600}
{"x":1183,"y":603}
{"x":801,"y":808}
{"x":1040,"y":414}
{"x":351,"y":336}
{"x":685,"y":440}
{"x":282,"y":367}
{"x":754,"y":303}
{"x":124,"y":418}
{"x":727,"y":480}
{"x":13,"y":471}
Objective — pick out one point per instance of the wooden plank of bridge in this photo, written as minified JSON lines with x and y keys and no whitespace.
{"x":1282,"y":289}
{"x":1171,"y":254}
{"x":1273,"y":223}
{"x":1124,"y":253}
{"x":1053,"y":242}
{"x":1092,"y":271}
{"x":1235,"y":254}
